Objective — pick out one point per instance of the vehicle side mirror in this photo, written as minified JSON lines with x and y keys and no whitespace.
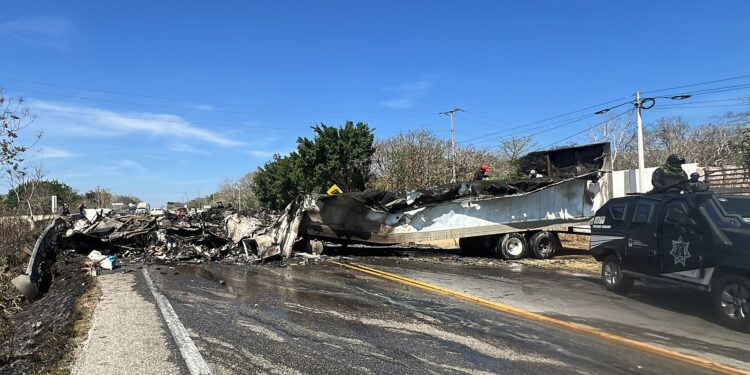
{"x":686,"y":221}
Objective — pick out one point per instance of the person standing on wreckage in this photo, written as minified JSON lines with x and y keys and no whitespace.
{"x":480,"y":174}
{"x":81,"y":207}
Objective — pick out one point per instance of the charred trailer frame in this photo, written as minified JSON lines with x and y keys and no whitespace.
{"x":506,"y":218}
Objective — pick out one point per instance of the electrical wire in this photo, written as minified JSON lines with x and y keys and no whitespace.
{"x":198,"y":102}
{"x":546,"y":129}
{"x":544,"y":120}
{"x":590,"y":127}
{"x":703,"y":106}
{"x":696,"y":84}
{"x":162,"y":120}
{"x":714,"y":90}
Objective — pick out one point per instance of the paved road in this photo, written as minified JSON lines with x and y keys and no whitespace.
{"x":669,"y":317}
{"x":326,"y":319}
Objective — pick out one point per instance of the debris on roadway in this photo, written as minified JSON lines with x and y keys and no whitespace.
{"x":215,"y":234}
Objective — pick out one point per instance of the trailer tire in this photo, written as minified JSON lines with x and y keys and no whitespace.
{"x":544,"y":244}
{"x":512,"y":246}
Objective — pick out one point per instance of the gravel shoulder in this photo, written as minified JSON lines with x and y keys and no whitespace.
{"x":128,"y":334}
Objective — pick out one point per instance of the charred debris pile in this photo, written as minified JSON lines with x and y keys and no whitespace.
{"x":213,"y":235}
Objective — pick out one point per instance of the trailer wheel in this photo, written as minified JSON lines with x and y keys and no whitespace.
{"x":544,"y":244}
{"x":730,"y":297}
{"x":314,"y":247}
{"x":512,"y":246}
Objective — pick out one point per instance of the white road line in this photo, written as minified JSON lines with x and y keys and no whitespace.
{"x":190,"y":353}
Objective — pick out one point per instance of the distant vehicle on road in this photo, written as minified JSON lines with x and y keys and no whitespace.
{"x":180,"y":211}
{"x":698,"y":240}
{"x":157,"y":212}
{"x":142,"y":208}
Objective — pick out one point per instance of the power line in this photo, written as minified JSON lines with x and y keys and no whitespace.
{"x":163,"y":120}
{"x":198,"y":102}
{"x":589,"y":128}
{"x":486,"y":118}
{"x":544,"y":120}
{"x":675,"y":106}
{"x":188,"y":108}
{"x":745,"y":98}
{"x":697,"y":84}
{"x":546,"y":129}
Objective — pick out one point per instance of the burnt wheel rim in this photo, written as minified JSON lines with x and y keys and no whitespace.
{"x":545,"y":246}
{"x":611,"y":273}
{"x":734,"y":301}
{"x":514,"y":246}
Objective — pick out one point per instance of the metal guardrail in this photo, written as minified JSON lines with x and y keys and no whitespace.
{"x":27,"y":283}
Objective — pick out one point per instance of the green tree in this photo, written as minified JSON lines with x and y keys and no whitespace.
{"x":273,"y":183}
{"x":340,"y":156}
{"x":43,"y":191}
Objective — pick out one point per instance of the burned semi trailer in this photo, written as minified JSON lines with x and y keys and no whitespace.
{"x":505,"y":218}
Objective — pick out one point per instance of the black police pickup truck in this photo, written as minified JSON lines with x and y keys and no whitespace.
{"x":699,"y":240}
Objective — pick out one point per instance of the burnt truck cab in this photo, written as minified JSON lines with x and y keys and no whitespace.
{"x":693,"y":239}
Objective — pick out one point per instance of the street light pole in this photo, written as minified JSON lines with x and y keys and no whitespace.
{"x":453,"y":141}
{"x":641,"y":161}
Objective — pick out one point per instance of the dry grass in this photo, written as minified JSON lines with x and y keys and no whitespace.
{"x":573,"y":257}
{"x":73,"y":334}
{"x":15,"y":235}
{"x":574,"y":241}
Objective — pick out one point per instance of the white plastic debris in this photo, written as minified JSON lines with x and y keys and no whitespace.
{"x":106,"y":262}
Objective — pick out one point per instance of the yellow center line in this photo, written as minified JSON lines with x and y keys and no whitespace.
{"x":648,"y":348}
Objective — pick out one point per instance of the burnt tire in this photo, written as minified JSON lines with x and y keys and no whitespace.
{"x":544,"y":244}
{"x":613,"y":277}
{"x":730,"y":299}
{"x":512,"y":246}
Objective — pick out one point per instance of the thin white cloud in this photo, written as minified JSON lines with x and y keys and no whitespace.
{"x":261,"y":154}
{"x":406,"y":95}
{"x":131,"y":164}
{"x":55,"y":153}
{"x":204,"y":107}
{"x":101,"y":122}
{"x":42,"y":30}
{"x":399,"y":103}
{"x":182,"y":147}
{"x":193,"y":182}
{"x":122,"y":167}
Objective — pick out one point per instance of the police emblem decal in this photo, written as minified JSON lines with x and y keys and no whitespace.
{"x":680,"y":251}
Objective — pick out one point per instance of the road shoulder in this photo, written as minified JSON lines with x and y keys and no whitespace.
{"x":127,"y":335}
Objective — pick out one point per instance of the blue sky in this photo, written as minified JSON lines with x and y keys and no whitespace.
{"x":217,"y":88}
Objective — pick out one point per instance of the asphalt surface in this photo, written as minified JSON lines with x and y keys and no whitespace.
{"x":666,"y":316}
{"x":326,"y":319}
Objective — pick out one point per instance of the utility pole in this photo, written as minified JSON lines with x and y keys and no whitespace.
{"x":639,"y":104}
{"x":453,"y":140}
{"x":641,"y":162}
